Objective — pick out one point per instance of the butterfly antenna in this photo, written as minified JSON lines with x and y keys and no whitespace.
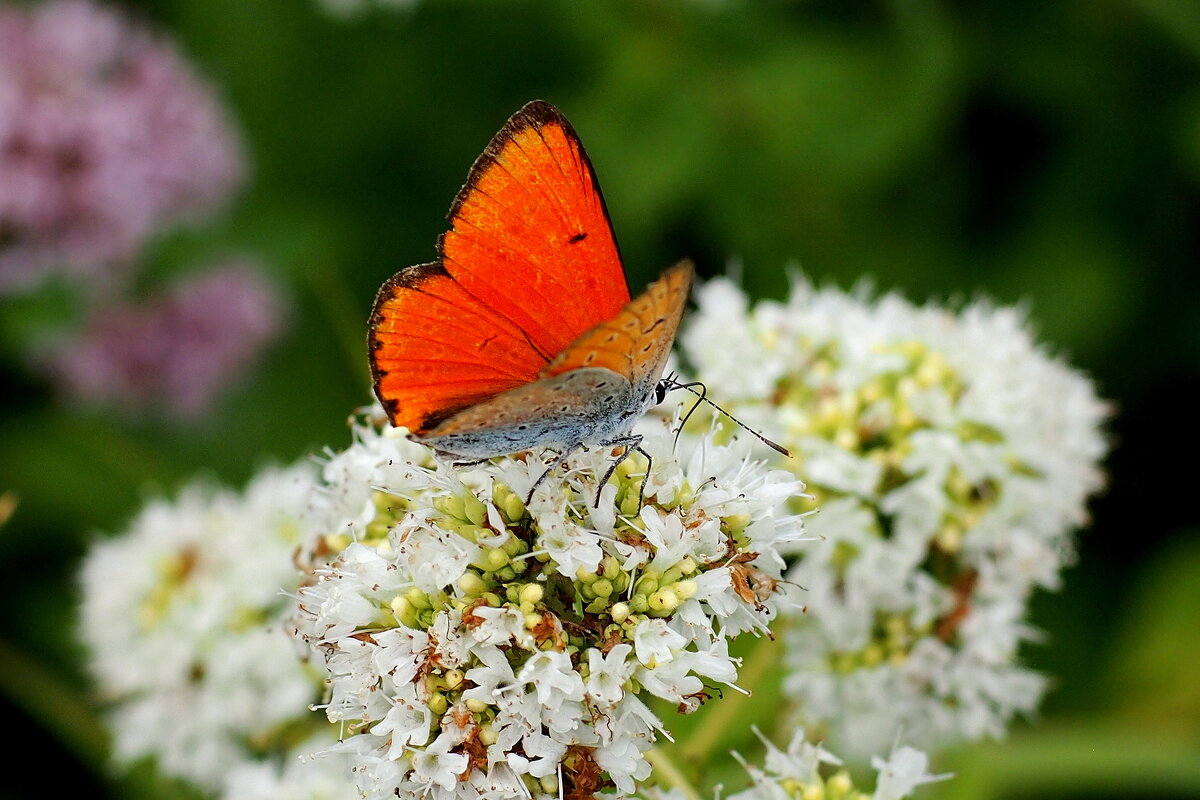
{"x":702,"y":397}
{"x":668,"y":383}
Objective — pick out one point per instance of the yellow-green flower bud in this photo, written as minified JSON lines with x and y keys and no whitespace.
{"x":813,"y":791}
{"x":736,"y":522}
{"x":513,"y":508}
{"x":949,"y":538}
{"x":476,"y":706}
{"x":471,"y":584}
{"x":620,"y":612}
{"x":839,"y":784}
{"x":377,"y":529}
{"x":612,"y":567}
{"x":931,"y":370}
{"x":451,"y":505}
{"x":453,"y":678}
{"x":337,"y":542}
{"x":602,"y":588}
{"x":532,"y":593}
{"x":846,"y":438}
{"x":403,"y":611}
{"x":647,"y":584}
{"x":685,"y":589}
{"x":585,"y":575}
{"x":487,"y":734}
{"x":474,"y":509}
{"x":664,"y":601}
{"x":438,"y":704}
{"x":419,"y":599}
{"x":494,"y":558}
{"x":872,"y":655}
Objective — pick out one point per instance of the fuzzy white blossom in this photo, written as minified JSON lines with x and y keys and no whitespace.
{"x":183,"y":615}
{"x":479,"y":646}
{"x":951,"y":459}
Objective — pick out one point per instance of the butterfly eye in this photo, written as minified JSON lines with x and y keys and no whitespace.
{"x":660,"y":392}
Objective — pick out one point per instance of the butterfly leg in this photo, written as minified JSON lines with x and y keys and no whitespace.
{"x":630,"y":443}
{"x":561,"y":457}
{"x":460,"y":464}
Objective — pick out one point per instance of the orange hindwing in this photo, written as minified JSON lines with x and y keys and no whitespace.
{"x":636,"y":342}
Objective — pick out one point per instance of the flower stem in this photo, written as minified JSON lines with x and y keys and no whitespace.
{"x":669,"y":772}
{"x":329,"y":290}
{"x":48,"y":698}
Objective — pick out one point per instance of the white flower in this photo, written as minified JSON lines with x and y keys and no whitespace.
{"x":951,"y":459}
{"x":184,"y":614}
{"x":510,"y":643}
{"x":553,"y":678}
{"x":901,"y":773}
{"x":655,"y":643}
{"x":437,"y":765}
{"x":607,"y":674}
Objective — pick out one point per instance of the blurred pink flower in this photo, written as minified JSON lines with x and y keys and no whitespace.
{"x":106,"y":135}
{"x":177,"y":350}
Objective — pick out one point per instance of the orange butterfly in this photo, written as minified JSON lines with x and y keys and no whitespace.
{"x":522,"y":334}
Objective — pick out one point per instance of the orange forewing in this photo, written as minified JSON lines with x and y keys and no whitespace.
{"x":436,"y":349}
{"x":635,"y":343}
{"x":529,"y":264}
{"x":530,"y":234}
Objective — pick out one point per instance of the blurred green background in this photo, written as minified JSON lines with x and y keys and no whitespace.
{"x":1046,"y":153}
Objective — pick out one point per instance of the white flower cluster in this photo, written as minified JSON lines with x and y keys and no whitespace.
{"x":481,"y":647}
{"x":806,"y":771}
{"x":796,"y":774}
{"x":951,"y":459}
{"x":183,"y":615}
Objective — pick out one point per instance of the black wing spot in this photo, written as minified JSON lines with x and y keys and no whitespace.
{"x":649,"y":330}
{"x":577,"y":238}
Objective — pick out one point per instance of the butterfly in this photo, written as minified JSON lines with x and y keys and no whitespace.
{"x":522,"y":334}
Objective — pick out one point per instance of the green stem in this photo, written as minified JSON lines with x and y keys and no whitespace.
{"x":349,"y":326}
{"x":36,"y":689}
{"x":667,"y":771}
{"x":699,"y":746}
